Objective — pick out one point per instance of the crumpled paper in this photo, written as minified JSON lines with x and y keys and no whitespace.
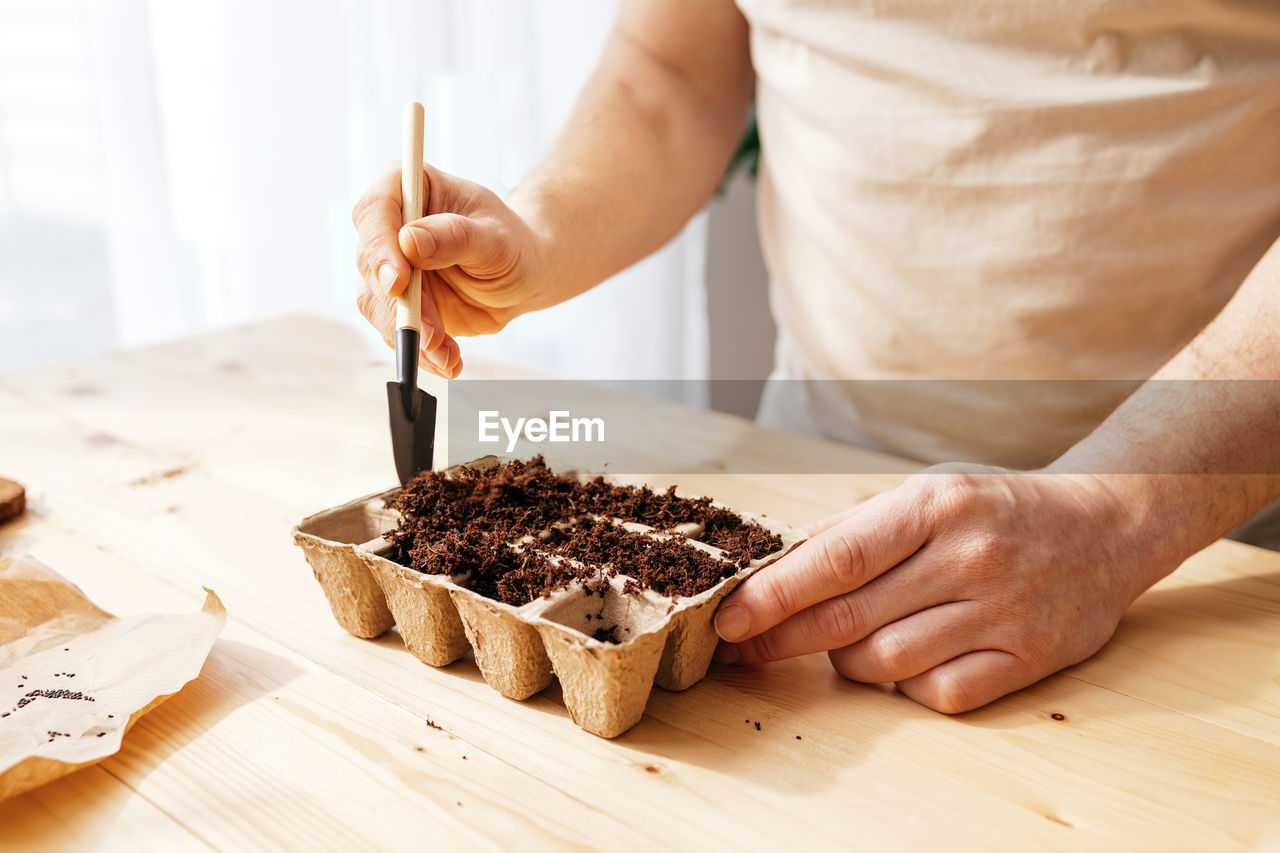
{"x":73,"y":678}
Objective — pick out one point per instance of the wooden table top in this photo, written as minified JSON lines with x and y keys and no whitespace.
{"x":153,"y":472}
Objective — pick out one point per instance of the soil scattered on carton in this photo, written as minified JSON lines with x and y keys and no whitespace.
{"x":466,"y":525}
{"x":607,"y":635}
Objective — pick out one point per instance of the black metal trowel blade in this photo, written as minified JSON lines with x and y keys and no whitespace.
{"x":412,"y":437}
{"x":413,"y":414}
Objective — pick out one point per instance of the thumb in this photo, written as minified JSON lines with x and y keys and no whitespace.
{"x":450,"y":239}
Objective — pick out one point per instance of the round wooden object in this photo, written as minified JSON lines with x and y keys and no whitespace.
{"x":13,"y":499}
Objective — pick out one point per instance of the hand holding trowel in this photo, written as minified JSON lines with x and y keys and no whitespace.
{"x":413,"y":411}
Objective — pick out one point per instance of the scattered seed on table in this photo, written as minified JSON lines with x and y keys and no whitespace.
{"x":797,"y":737}
{"x":757,"y":725}
{"x":1057,"y":716}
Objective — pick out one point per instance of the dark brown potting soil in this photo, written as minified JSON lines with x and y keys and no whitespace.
{"x":486,"y":563}
{"x":462,"y":525}
{"x":671,"y":567}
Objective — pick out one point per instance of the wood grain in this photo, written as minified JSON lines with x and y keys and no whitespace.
{"x":153,"y":472}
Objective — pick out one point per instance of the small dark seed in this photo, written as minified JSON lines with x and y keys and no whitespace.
{"x":797,"y":737}
{"x":100,"y":734}
{"x":757,"y":725}
{"x":1057,"y":716}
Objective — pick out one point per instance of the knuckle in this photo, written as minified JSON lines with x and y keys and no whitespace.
{"x":988,"y":549}
{"x":358,"y":210}
{"x":766,"y":647}
{"x":367,"y":303}
{"x":843,"y":557}
{"x":364,"y":262}
{"x":950,"y":694}
{"x":839,"y":620}
{"x":455,"y":232}
{"x":775,"y":596}
{"x":891,"y":655}
{"x":1032,"y":648}
{"x":950,"y":492}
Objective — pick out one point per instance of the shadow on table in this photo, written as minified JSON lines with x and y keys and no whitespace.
{"x":811,"y":720}
{"x":1194,"y":633}
{"x":1169,"y":638}
{"x":784,"y":726}
{"x":224,"y":684}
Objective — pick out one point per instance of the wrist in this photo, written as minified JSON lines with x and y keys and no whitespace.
{"x":546,"y":270}
{"x":1134,"y":515}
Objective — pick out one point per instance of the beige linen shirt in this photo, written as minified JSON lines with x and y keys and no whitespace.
{"x":1004,"y":189}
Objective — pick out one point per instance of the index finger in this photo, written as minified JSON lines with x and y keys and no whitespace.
{"x":839,"y":560}
{"x":378,"y":218}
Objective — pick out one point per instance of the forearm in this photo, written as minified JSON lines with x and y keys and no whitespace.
{"x":1196,"y":450}
{"x":646,"y":145}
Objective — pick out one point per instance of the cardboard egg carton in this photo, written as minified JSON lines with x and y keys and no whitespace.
{"x":662,"y":640}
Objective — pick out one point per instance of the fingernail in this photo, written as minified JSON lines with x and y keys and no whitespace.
{"x":726,"y":653}
{"x":439,"y":357}
{"x":423,"y":241}
{"x":732,"y":623}
{"x":387,"y":277}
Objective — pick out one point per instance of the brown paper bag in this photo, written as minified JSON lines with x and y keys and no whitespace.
{"x":73,"y":678}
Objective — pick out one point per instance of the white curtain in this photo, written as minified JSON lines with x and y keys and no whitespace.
{"x":171,"y":167}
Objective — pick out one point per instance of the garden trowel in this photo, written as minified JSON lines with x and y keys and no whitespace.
{"x":413,"y":411}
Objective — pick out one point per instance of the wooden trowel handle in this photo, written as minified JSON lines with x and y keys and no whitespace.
{"x":409,"y":303}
